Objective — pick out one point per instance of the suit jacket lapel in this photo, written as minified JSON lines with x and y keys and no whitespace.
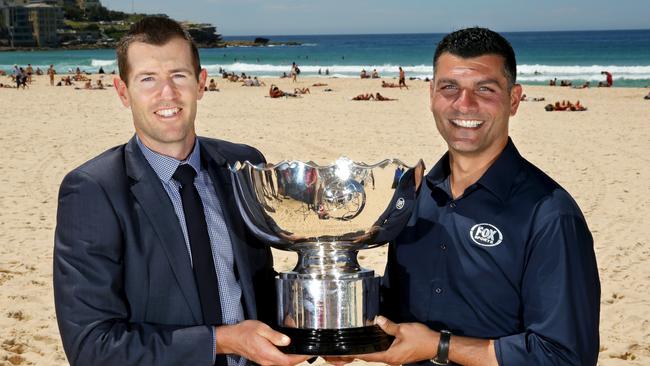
{"x":151,"y":195}
{"x":218,"y":170}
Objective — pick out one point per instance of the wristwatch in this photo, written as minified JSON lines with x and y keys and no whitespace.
{"x":442,"y":356}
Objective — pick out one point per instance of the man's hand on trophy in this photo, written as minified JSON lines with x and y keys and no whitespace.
{"x":413,"y":342}
{"x":255,"y":341}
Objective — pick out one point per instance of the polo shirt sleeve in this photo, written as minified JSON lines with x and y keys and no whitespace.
{"x":560,"y":297}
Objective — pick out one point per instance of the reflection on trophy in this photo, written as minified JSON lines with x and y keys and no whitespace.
{"x":327,"y":303}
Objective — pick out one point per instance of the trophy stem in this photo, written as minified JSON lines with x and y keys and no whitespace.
{"x":326,"y":260}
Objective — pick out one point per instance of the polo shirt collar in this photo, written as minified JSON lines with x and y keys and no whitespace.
{"x":165,"y":166}
{"x":498,"y":179}
{"x":439,"y":172}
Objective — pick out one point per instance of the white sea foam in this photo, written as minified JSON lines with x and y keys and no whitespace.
{"x":98,"y":63}
{"x":277,"y":45}
{"x":345,"y":70}
{"x":593,"y":72}
{"x":526,"y":73}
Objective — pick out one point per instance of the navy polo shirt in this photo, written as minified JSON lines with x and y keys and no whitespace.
{"x":512,"y":259}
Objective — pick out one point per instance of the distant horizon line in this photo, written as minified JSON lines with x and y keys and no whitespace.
{"x":413,"y":33}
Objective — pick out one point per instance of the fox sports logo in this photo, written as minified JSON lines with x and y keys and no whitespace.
{"x":486,"y":235}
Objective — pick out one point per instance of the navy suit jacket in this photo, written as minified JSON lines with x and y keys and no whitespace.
{"x":124,"y":288}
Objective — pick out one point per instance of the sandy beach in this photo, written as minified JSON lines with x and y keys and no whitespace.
{"x":600,"y":156}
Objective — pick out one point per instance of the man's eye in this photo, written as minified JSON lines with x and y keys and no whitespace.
{"x":448,"y":87}
{"x":485,"y":89}
{"x":148,"y":78}
{"x":179,"y":76}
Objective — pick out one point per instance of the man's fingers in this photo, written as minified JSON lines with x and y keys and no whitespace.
{"x":270,"y":355}
{"x":386,"y":325}
{"x":373,"y":357}
{"x":274,"y":337}
{"x":296,"y":359}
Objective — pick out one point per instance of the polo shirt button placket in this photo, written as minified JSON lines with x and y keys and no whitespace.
{"x":443,"y":246}
{"x":438,"y":290}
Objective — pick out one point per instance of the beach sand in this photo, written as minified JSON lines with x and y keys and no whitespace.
{"x":600,"y":156}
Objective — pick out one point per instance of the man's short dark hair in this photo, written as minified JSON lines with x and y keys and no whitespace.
{"x":157,"y":31}
{"x":475,"y":42}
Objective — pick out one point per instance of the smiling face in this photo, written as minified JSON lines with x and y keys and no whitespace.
{"x":162,"y":93}
{"x":471,"y":103}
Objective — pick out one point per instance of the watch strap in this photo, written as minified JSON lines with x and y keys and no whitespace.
{"x":442,"y":356}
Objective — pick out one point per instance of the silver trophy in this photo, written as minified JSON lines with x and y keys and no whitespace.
{"x":326,"y":214}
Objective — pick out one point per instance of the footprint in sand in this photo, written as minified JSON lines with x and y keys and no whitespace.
{"x":45,"y":339}
{"x":11,"y":345}
{"x":615,"y":298}
{"x":15,"y":349}
{"x":18,"y":315}
{"x":16,"y":360}
{"x":4,"y":277}
{"x":624,"y":356}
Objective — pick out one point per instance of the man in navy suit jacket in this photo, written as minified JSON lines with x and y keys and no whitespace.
{"x":125,"y":291}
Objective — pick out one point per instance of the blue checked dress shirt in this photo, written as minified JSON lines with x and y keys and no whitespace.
{"x":229,"y":289}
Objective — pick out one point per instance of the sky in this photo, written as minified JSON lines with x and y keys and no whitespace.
{"x":302,"y":17}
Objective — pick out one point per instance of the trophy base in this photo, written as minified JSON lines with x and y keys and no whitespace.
{"x":336,"y":342}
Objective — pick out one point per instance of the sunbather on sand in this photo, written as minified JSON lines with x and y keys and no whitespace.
{"x":382,"y":98}
{"x":565,"y":105}
{"x":524,"y":98}
{"x":301,"y":91}
{"x":367,"y":96}
{"x":577,"y":107}
{"x":275,"y":92}
{"x":384,"y":84}
{"x":212,"y":86}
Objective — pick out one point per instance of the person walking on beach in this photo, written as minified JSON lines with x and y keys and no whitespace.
{"x":497,"y":264}
{"x":51,"y":72}
{"x":29,"y":71}
{"x":152,"y":266}
{"x":20,"y":76}
{"x":402,"y":78}
{"x":294,"y":72}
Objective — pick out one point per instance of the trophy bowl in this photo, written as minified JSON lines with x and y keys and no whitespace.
{"x":327,"y":303}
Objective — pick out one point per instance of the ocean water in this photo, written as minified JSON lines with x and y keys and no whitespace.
{"x":577,"y":55}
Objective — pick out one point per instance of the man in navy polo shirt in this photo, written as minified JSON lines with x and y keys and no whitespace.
{"x":496,"y":265}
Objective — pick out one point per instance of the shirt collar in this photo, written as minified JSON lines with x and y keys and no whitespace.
{"x":165,"y":166}
{"x":498,"y":179}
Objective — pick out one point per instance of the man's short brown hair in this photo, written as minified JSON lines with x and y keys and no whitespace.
{"x":155,"y":31}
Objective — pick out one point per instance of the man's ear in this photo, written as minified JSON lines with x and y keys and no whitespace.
{"x":515,"y":98}
{"x":203,"y":77}
{"x":122,"y":92}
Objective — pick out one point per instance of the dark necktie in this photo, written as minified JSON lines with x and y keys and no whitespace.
{"x":197,"y":231}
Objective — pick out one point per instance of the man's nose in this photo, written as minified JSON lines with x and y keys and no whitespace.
{"x":466,"y":101}
{"x":168,"y":89}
